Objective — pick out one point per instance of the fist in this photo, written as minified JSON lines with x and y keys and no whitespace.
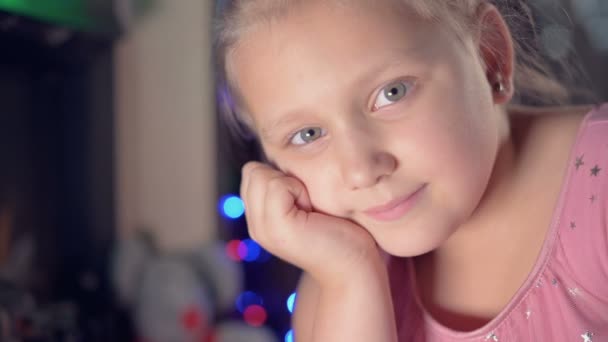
{"x":282,"y":219}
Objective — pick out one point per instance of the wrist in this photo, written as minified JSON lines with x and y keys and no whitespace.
{"x":367,"y":271}
{"x":357,"y":308}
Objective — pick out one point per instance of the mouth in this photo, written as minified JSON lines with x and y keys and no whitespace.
{"x":395,"y":209}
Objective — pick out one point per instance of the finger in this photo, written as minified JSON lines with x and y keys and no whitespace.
{"x":250,"y":172}
{"x":245,"y":176}
{"x":298,"y":191}
{"x":254,"y":196}
{"x":284,"y":197}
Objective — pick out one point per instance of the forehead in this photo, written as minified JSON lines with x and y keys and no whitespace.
{"x":319,"y":49}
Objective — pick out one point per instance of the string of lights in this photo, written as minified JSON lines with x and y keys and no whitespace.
{"x":251,"y":305}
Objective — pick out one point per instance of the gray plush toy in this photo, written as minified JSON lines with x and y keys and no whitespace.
{"x":180,"y":297}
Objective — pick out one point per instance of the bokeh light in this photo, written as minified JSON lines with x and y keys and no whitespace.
{"x":246,"y":299}
{"x":232,"y":207}
{"x":291,"y":300}
{"x":232,"y":250}
{"x":249,"y":250}
{"x":592,"y":15}
{"x":289,"y":336}
{"x":264,"y":256}
{"x":255,"y":315}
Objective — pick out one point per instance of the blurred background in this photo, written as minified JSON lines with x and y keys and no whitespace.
{"x":119,"y":219}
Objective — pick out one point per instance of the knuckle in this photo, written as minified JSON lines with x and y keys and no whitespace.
{"x":276,"y":184}
{"x":248,"y":167}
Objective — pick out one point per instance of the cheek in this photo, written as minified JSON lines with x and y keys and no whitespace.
{"x":464,"y":165}
{"x":456,"y":133}
{"x":319,"y":180}
{"x":444,"y":141}
{"x":454,"y":151}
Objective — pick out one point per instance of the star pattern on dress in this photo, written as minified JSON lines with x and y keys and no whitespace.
{"x":579,"y":162}
{"x":596,"y":169}
{"x":572,"y":225}
{"x":528,"y":313}
{"x":492,"y":336}
{"x":587,"y":336}
{"x":539,"y":283}
{"x":574,"y":291}
{"x":592,"y":198}
{"x":554,"y":282}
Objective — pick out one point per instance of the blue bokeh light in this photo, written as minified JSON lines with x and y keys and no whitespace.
{"x":232,"y":207}
{"x":264,"y":256}
{"x":289,"y":336}
{"x":249,"y":250}
{"x":247,"y":299}
{"x":291,"y":301}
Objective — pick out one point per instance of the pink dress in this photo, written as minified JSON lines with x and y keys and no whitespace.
{"x":565,"y":297}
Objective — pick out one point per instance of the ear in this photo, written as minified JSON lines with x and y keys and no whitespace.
{"x":496,"y":50}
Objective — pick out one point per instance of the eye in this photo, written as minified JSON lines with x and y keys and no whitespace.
{"x":307,"y":135}
{"x":392,"y":93}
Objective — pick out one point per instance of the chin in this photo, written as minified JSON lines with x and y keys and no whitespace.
{"x":409,"y":251}
{"x":411,"y":247}
{"x":417,"y":241}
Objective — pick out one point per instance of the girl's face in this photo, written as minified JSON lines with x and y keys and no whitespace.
{"x":366,"y":108}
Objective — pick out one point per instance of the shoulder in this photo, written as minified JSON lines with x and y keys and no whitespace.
{"x":555,"y":128}
{"x":583,"y":231}
{"x":553,"y":118}
{"x":577,"y":137}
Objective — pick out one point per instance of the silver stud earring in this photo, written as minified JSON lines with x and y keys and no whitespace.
{"x":499,"y":86}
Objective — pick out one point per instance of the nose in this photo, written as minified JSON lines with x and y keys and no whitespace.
{"x":363,"y":161}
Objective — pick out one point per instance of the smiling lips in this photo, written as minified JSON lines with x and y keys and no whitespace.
{"x":396,"y":208}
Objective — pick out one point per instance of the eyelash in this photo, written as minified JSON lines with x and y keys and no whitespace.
{"x":409,"y":85}
{"x":298,"y":132}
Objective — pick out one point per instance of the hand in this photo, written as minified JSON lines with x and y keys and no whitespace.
{"x":281,"y":219}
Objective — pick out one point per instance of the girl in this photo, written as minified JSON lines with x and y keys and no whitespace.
{"x":420,"y":201}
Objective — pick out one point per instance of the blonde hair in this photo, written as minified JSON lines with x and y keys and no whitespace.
{"x":534,"y":81}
